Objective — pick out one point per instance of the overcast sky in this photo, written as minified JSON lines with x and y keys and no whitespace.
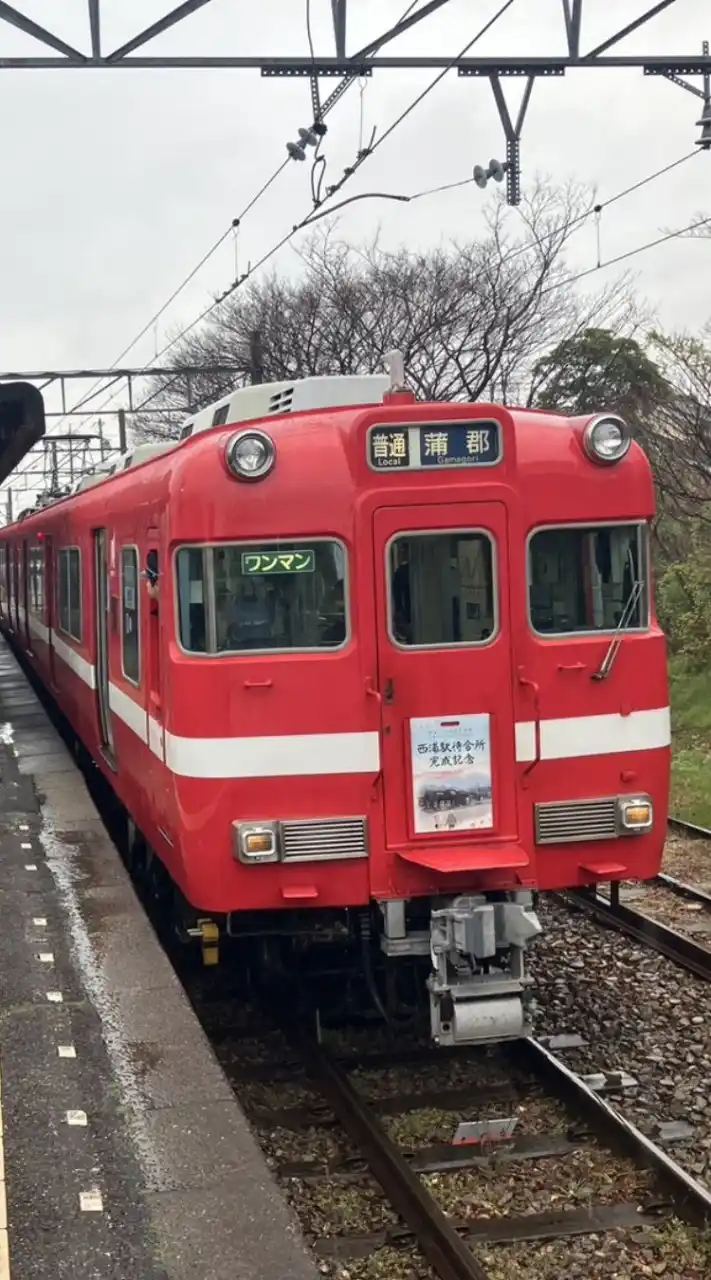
{"x":115,"y":183}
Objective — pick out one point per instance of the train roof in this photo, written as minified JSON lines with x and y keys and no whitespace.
{"x":275,"y":399}
{"x":539,"y":442}
{"x":246,"y":404}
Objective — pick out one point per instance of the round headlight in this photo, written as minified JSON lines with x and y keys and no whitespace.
{"x":606,"y":439}
{"x":250,"y":455}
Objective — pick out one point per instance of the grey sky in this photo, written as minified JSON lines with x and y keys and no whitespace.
{"x":114,"y":183}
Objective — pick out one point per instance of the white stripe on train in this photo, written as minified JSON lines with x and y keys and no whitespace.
{"x":309,"y":754}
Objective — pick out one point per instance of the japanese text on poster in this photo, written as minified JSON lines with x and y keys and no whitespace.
{"x":451,"y":773}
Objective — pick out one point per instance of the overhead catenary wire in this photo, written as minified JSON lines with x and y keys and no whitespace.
{"x":319,"y":212}
{"x":331,"y":191}
{"x":579,"y":220}
{"x":326,"y":108}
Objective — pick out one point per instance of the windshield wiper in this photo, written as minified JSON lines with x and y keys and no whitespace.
{"x":613,"y":648}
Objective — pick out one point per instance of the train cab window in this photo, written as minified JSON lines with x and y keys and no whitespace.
{"x":588,"y":579}
{"x":270,"y":597}
{"x":69,"y":583}
{"x":130,"y":634}
{"x":192,"y":598}
{"x":442,"y":589}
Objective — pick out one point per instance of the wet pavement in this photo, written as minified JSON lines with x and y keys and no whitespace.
{"x":126,"y":1153}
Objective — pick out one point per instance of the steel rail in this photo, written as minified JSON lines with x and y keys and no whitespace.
{"x":651,"y":933}
{"x":682,"y":889}
{"x":443,"y":1247}
{"x":690,"y":1199}
{"x":689,"y":828}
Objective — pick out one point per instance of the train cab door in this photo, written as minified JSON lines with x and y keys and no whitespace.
{"x":446,"y":685}
{"x":101,"y":605}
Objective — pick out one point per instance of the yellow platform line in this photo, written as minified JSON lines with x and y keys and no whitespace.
{"x":4,"y":1242}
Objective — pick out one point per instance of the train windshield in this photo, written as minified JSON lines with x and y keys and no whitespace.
{"x":272,"y":597}
{"x":581,"y":579}
{"x":442,"y":589}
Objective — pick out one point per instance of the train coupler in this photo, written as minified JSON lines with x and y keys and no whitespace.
{"x":208,"y":934}
{"x":478,"y":985}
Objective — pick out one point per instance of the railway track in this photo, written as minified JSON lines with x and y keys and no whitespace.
{"x":366,"y":1147}
{"x":667,"y":929}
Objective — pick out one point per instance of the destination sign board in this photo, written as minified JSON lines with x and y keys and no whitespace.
{"x":448,"y":444}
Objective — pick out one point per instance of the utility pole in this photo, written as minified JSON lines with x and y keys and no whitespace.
{"x":9,"y":506}
{"x":256,"y":359}
{"x":122,"y":430}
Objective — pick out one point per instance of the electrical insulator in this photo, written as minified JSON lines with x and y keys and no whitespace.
{"x":296,"y":151}
{"x":308,"y":137}
{"x":496,"y":171}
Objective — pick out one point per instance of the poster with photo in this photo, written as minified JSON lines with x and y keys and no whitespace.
{"x":451,"y":773}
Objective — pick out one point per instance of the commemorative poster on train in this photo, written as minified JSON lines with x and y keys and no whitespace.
{"x":451,"y":773}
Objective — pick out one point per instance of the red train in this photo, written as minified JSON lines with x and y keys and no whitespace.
{"x":366,"y":668}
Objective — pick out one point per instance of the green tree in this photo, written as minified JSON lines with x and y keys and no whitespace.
{"x":599,"y":370}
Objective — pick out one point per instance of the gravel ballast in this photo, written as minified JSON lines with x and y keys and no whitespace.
{"x":638,"y":1012}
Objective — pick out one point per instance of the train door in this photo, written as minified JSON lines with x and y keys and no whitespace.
{"x":25,"y":569}
{"x":446,"y":681}
{"x":156,"y":723}
{"x":15,"y":613}
{"x":102,"y":595}
{"x":50,"y":598}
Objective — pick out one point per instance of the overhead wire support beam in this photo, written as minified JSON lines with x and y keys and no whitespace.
{"x":573,"y":20}
{"x":95,"y":28}
{"x":339,"y":26}
{"x":651,"y":64}
{"x":11,"y":15}
{"x":157,"y":28}
{"x":512,"y":133}
{"x":631,"y":26}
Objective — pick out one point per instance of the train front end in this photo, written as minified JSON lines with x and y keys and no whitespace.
{"x":442,"y":688}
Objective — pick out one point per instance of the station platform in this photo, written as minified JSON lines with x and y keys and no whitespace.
{"x":123,"y":1150}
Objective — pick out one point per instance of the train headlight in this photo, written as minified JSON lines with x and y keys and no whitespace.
{"x":256,"y":842}
{"x":250,"y":455}
{"x":606,"y":439}
{"x":636,"y":814}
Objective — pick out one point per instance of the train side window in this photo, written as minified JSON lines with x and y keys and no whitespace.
{"x":69,"y":575}
{"x":130,"y":622}
{"x":441,"y":589}
{"x":588,"y":579}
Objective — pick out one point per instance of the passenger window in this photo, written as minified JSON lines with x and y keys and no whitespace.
{"x":588,"y":579}
{"x":130,"y":625}
{"x":442,"y":589}
{"x":70,"y":592}
{"x":271,"y":597}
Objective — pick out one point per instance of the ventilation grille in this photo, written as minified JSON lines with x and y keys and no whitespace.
{"x":280,"y":402}
{"x":576,"y":820}
{"x":323,"y":840}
